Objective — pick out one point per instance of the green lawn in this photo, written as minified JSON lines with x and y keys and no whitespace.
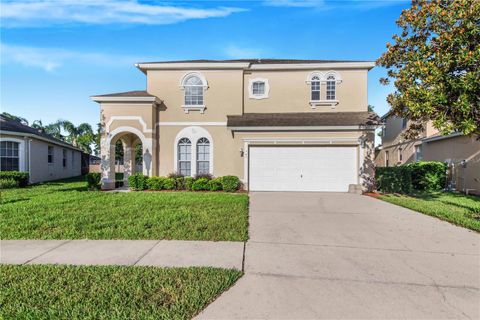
{"x":456,"y":208}
{"x":108,"y":292}
{"x":66,"y":210}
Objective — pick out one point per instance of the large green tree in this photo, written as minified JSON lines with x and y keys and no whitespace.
{"x":434,"y":63}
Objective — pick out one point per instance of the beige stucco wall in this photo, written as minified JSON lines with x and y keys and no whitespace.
{"x":34,"y":160}
{"x":407,"y":150}
{"x":289,"y":92}
{"x":457,"y":149}
{"x":227,"y":158}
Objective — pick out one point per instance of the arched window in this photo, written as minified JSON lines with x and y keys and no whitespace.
{"x":315,"y":87}
{"x":193,"y":86}
{"x":9,"y":156}
{"x":331,"y":81}
{"x":184,"y":157}
{"x":203,"y":156}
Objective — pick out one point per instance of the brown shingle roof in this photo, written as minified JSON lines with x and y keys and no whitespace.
{"x":303,"y":119}
{"x":259,"y":61}
{"x":136,"y":93}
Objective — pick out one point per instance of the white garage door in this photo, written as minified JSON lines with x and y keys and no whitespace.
{"x":302,"y":168}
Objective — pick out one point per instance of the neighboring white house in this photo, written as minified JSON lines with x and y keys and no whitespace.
{"x":45,"y":158}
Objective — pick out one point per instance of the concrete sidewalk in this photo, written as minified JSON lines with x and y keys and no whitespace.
{"x":161,"y":253}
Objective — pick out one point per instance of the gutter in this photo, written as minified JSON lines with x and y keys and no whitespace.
{"x":436,"y":138}
{"x":302,"y":128}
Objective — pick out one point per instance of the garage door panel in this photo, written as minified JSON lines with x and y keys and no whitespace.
{"x":302,"y":168}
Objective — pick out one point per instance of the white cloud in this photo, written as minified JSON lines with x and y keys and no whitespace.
{"x":235,"y":52}
{"x":50,"y":59}
{"x":20,"y":13}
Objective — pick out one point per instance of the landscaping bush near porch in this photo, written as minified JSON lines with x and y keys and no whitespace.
{"x":109,"y":292}
{"x":204,"y":182}
{"x":421,"y":175}
{"x":12,"y":179}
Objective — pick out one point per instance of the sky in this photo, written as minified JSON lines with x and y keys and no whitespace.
{"x":55,"y":54}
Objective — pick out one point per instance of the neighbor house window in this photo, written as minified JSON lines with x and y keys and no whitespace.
{"x":331,"y":87}
{"x":64,"y":160}
{"x":193,"y":91}
{"x":315,"y":84}
{"x":387,"y":158}
{"x":184,"y":157}
{"x":73,"y":158}
{"x":404,"y":123}
{"x":419,"y":152}
{"x":9,"y":155}
{"x":400,"y":156}
{"x":50,"y":154}
{"x":203,"y":156}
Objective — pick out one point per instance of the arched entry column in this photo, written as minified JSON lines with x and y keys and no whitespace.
{"x":129,"y":136}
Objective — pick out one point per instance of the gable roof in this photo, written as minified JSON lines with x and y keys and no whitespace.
{"x":304,"y":119}
{"x":8,"y":126}
{"x":134,"y":93}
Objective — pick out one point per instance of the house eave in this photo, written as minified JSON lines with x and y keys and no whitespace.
{"x":34,"y":136}
{"x":125,"y":99}
{"x":304,"y":128}
{"x":194,"y":65}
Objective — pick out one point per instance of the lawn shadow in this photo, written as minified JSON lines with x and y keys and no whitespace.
{"x":13,"y":200}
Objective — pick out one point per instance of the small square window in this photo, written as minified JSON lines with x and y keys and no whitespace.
{"x":258,"y":88}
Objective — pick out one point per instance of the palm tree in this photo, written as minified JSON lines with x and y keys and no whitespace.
{"x":53,"y":129}
{"x":80,"y":136}
{"x":13,"y":117}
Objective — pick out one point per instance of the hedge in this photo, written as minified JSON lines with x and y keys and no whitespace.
{"x":137,"y":182}
{"x":421,"y":175}
{"x":21,"y":178}
{"x":93,"y":180}
{"x":8,"y":184}
{"x":178,"y":182}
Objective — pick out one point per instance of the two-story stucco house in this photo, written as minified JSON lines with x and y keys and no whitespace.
{"x":460,"y":152}
{"x":279,"y":125}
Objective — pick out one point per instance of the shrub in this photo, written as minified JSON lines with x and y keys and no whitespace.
{"x":175,"y":175}
{"x":169,"y":184}
{"x":421,"y":175}
{"x":200,"y":184}
{"x":21,"y":178}
{"x":8,"y":183}
{"x":428,"y":175}
{"x":93,"y":180}
{"x":155,"y":183}
{"x":230,"y":183}
{"x":215,"y":185}
{"x":394,"y":179}
{"x":207,"y":176}
{"x":137,"y":182}
{"x":189,"y":183}
{"x":179,"y":183}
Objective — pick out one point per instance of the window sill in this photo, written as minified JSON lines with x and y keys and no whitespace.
{"x":258,"y":96}
{"x":316,"y":103}
{"x":200,"y":108}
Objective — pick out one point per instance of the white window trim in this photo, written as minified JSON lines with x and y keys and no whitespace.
{"x":188,"y":108}
{"x":323,"y":76}
{"x":194,"y":134}
{"x":21,"y":152}
{"x":251,"y":95}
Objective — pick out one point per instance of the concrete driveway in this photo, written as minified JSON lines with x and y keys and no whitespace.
{"x":337,"y":255}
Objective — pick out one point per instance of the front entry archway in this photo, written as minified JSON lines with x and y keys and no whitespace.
{"x":130,"y":138}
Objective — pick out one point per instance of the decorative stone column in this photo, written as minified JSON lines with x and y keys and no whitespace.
{"x":107,"y":154}
{"x":128,"y":159}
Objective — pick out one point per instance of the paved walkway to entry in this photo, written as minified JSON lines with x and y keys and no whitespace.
{"x":332,"y":255}
{"x":162,"y":253}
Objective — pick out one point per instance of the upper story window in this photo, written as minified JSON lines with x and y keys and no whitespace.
{"x":258,"y":88}
{"x":194,"y":84}
{"x":315,"y":87}
{"x":50,"y":154}
{"x":9,"y":156}
{"x":329,"y":82}
{"x":404,"y":123}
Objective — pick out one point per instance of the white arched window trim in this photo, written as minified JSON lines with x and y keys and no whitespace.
{"x":324,"y":76}
{"x":21,"y":152}
{"x":194,"y":134}
{"x":258,"y":96}
{"x":188,"y":108}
